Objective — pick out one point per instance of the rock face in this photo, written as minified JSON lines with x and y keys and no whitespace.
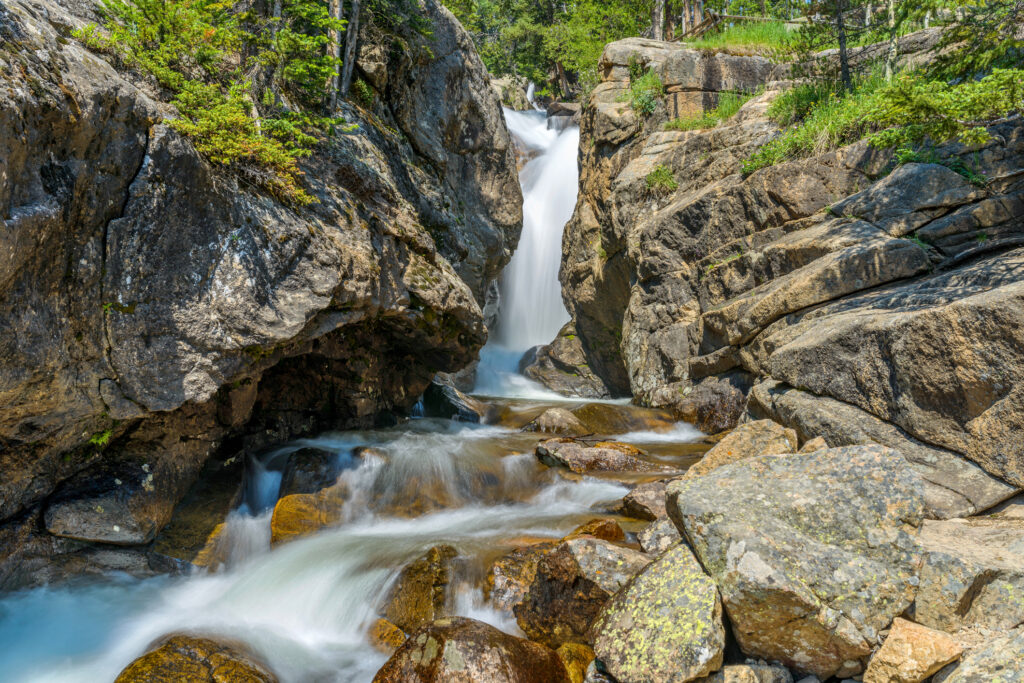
{"x":1002,"y":659}
{"x":185,"y":311}
{"x":664,"y":625}
{"x":910,"y":654}
{"x":562,"y":367}
{"x":813,"y":553}
{"x":571,"y":584}
{"x":867,"y":288}
{"x":185,"y":658}
{"x":459,"y":650}
{"x":972,"y":574}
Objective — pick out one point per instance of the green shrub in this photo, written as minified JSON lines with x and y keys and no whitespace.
{"x":363,"y":93}
{"x":662,"y":180}
{"x":645,"y":89}
{"x":728,"y":104}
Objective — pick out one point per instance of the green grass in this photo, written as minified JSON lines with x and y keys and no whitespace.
{"x":758,"y":35}
{"x":662,"y":180}
{"x":728,"y":104}
{"x":828,"y":119}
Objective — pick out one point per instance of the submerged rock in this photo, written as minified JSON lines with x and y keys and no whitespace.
{"x":749,"y":440}
{"x":184,"y":658}
{"x":603,"y":529}
{"x":460,"y":650}
{"x":606,"y":457}
{"x":571,"y":585}
{"x":910,"y":654}
{"x":385,"y":637}
{"x":972,"y":573}
{"x":813,"y":554}
{"x":664,"y":626}
{"x":420,"y":593}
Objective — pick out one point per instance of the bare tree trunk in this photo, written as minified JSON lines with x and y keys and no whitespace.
{"x":928,"y":19}
{"x":890,"y":57}
{"x":563,"y":81}
{"x":351,"y":38}
{"x":657,"y":20}
{"x":844,"y":56}
{"x":338,"y":14}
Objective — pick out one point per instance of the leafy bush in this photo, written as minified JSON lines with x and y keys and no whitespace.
{"x":729,"y":104}
{"x":662,"y":180}
{"x":645,"y":89}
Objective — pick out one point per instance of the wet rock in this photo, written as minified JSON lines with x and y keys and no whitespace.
{"x":562,"y":367}
{"x":420,"y":593}
{"x":576,"y":657}
{"x":596,"y":674}
{"x":191,"y":535}
{"x":813,"y":554}
{"x":459,"y":650}
{"x":603,"y":529}
{"x":385,"y":637}
{"x":184,"y":658}
{"x":557,"y":421}
{"x":658,"y":536}
{"x":749,"y":673}
{"x":308,"y":470}
{"x":571,"y":585}
{"x":510,"y":576}
{"x":749,"y":440}
{"x":972,"y":574}
{"x":646,"y":501}
{"x":444,"y":400}
{"x":954,"y":486}
{"x":581,"y":459}
{"x":910,"y":654}
{"x":1001,"y":659}
{"x":665,"y":625}
{"x":304,"y":513}
{"x":611,"y":418}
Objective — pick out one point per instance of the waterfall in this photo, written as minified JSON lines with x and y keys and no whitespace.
{"x":532,"y":311}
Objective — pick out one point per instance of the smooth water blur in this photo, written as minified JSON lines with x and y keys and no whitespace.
{"x":305,"y":606}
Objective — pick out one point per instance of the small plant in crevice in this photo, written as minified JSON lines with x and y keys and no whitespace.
{"x":363,"y":93}
{"x":661,"y":180}
{"x":645,"y":89}
{"x":729,"y":104}
{"x":101,"y":439}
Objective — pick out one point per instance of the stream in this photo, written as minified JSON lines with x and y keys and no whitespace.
{"x":305,"y":606}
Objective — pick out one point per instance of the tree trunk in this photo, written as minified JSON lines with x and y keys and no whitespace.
{"x":351,"y":38}
{"x":890,"y":57}
{"x":928,"y":19}
{"x":338,"y":14}
{"x":844,"y":57}
{"x":657,"y":20}
{"x":764,"y":10}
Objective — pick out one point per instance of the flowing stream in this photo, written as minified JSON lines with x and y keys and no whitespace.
{"x":305,"y":606}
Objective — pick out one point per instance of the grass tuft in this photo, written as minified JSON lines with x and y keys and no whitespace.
{"x":728,"y":104}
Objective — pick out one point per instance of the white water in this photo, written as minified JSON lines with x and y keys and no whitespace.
{"x":532,"y":311}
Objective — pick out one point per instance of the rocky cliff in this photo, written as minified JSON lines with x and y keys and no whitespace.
{"x":155,"y":311}
{"x":838,"y":295}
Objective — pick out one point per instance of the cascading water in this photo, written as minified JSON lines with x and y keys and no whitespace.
{"x":532,"y":311}
{"x":306,"y":606}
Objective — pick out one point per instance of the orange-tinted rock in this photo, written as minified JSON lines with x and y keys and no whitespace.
{"x":581,"y":459}
{"x":385,"y":636}
{"x":420,"y":594}
{"x":183,"y":658}
{"x":605,"y":529}
{"x":576,"y":657}
{"x":910,"y":654}
{"x":749,"y":440}
{"x":303,"y":513}
{"x":460,"y":650}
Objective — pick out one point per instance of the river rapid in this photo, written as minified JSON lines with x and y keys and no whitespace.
{"x":305,"y":606}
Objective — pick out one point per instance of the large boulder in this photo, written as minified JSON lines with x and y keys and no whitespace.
{"x":510,"y":576}
{"x":813,"y":554}
{"x":562,"y":367}
{"x":646,"y":501}
{"x":571,"y":584}
{"x":183,"y":658}
{"x":972,"y":573}
{"x":460,"y":650}
{"x":664,"y":626}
